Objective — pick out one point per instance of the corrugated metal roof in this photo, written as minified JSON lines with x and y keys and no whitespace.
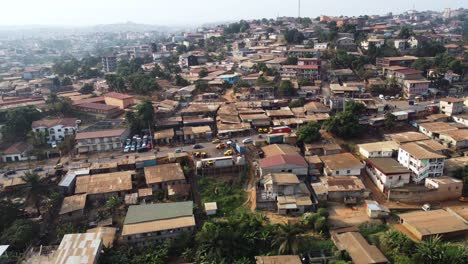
{"x":153,"y":212}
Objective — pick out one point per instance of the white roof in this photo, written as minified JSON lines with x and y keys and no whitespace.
{"x":211,"y":206}
{"x":3,"y":248}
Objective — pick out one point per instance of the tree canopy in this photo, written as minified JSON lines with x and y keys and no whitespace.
{"x":286,"y":88}
{"x":309,"y":132}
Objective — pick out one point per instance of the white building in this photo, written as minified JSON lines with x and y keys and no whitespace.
{"x":421,"y":160}
{"x":383,"y":149}
{"x":343,"y":164}
{"x":451,"y":106}
{"x":55,"y":130}
{"x":387,"y":173}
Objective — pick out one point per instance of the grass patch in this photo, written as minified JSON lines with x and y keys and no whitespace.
{"x":228,"y":195}
{"x":368,"y":229}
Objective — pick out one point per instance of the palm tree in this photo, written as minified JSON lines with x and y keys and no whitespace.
{"x":288,"y":238}
{"x":432,"y":251}
{"x":34,"y":188}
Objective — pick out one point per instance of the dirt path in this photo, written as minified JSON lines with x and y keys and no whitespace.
{"x":229,"y":95}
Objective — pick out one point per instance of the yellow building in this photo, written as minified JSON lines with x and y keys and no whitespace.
{"x":118,"y":99}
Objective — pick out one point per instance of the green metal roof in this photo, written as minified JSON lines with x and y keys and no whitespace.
{"x":152,"y":212}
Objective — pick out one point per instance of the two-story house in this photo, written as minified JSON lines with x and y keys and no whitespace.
{"x":387,"y":173}
{"x":421,"y":160}
{"x":154,"y":223}
{"x":290,"y":194}
{"x":55,"y":130}
{"x":451,"y":106}
{"x":413,"y":88}
{"x":102,"y":140}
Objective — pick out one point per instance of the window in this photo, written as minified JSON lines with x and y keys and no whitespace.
{"x":59,"y":130}
{"x":348,"y":171}
{"x":289,"y":170}
{"x":399,"y":177}
{"x":337,"y":172}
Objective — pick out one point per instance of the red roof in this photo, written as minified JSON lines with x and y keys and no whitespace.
{"x":277,"y":160}
{"x":120,"y":96}
{"x":66,"y":122}
{"x":16,"y":148}
{"x":101,"y":133}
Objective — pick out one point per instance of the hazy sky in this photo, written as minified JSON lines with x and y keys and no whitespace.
{"x":184,"y":12}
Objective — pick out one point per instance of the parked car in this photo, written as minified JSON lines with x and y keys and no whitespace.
{"x":204,"y":155}
{"x":53,"y":144}
{"x":58,"y":166}
{"x":247,"y":140}
{"x":216,"y":140}
{"x":196,"y":154}
{"x":10,"y":172}
{"x":37,"y":169}
{"x":221,"y":146}
{"x":132,"y":148}
{"x":126,"y":149}
{"x":179,"y":150}
{"x":197,"y":146}
{"x":426,"y":207}
{"x":229,"y":152}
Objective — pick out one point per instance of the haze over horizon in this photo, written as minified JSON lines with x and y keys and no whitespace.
{"x":186,"y":12}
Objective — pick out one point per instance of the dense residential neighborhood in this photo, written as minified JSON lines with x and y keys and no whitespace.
{"x":288,"y":140}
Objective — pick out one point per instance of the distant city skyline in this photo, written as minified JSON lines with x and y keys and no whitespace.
{"x":187,"y":12}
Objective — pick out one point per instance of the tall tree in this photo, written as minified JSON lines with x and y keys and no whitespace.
{"x":288,"y":238}
{"x":34,"y":188}
{"x":308,"y":133}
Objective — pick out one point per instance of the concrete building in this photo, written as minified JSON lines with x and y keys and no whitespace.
{"x":435,"y":190}
{"x":103,"y":140}
{"x":413,"y":88}
{"x":434,"y":129}
{"x":120,"y":100}
{"x":427,"y":224}
{"x":383,"y":149}
{"x":55,"y":130}
{"x":343,"y":164}
{"x":457,"y":139}
{"x":421,"y":160}
{"x":291,"y":196}
{"x":291,"y":163}
{"x":348,"y":189}
{"x":451,"y":106}
{"x":387,"y":173}
{"x":154,"y":223}
{"x":161,"y":176}
{"x":72,"y":208}
{"x":109,"y":63}
{"x":105,"y":185}
{"x":18,"y":151}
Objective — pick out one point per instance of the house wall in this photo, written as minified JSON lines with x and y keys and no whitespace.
{"x":56,"y":133}
{"x":121,"y":103}
{"x":339,"y":196}
{"x":426,"y":195}
{"x":375,"y":154}
{"x":154,"y":237}
{"x":449,"y":108}
{"x":102,"y":144}
{"x":17,"y":157}
{"x":344,"y":172}
{"x":163,"y":185}
{"x":460,"y":120}
{"x":421,"y":168}
{"x":286,"y":168}
{"x":454,"y":143}
{"x":384,"y":181}
{"x":72,"y":216}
